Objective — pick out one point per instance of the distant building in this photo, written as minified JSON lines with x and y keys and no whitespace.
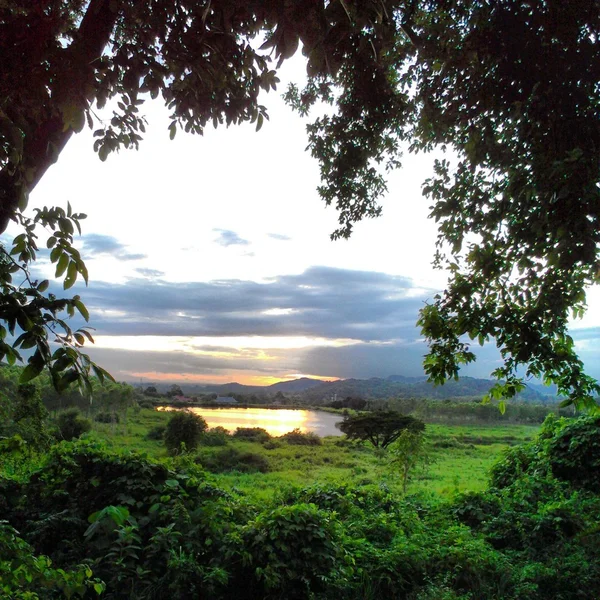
{"x":225,"y":400}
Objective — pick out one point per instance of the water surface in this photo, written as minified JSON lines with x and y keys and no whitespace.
{"x":275,"y":421}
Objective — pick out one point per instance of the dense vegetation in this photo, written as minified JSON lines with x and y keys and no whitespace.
{"x":253,"y":516}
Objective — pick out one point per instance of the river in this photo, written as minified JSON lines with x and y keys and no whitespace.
{"x":275,"y":421}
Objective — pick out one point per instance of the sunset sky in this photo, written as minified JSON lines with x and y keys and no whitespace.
{"x":210,"y":260}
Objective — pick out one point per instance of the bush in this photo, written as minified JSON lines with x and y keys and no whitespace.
{"x":574,"y":453}
{"x":299,"y":438}
{"x":24,"y":576}
{"x":71,"y":424}
{"x":252,"y":434}
{"x":106,"y":417}
{"x":184,"y":428}
{"x":157,"y":433}
{"x":296,"y":552}
{"x":217,"y":436}
{"x":232,"y":459}
{"x":146,"y":404}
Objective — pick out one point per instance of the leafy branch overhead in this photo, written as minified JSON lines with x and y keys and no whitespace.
{"x":32,"y":315}
{"x":508,"y":89}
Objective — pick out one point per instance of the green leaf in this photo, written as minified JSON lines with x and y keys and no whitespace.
{"x":31,"y":371}
{"x":81,"y":308}
{"x":71,"y":277}
{"x":61,"y":267}
{"x":87,"y":334}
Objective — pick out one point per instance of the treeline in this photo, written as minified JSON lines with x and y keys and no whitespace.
{"x":458,"y":411}
{"x":449,"y":411}
{"x":32,"y":410}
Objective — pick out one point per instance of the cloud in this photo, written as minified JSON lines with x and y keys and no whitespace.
{"x":95,"y":244}
{"x":367,"y":319}
{"x":227,"y":238}
{"x":152,"y":273}
{"x":321,"y":302}
{"x":279,"y":236}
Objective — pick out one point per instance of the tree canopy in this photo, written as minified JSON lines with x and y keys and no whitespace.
{"x":508,"y":89}
{"x":381,"y":428}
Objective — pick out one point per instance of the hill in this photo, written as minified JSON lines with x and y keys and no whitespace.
{"x":398,"y":387}
{"x":316,"y":391}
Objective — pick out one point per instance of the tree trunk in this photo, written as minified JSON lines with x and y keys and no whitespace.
{"x":47,"y":138}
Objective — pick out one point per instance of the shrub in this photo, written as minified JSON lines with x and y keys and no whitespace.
{"x":106,"y":417}
{"x":271,"y":445}
{"x":146,"y":404}
{"x":24,"y":576}
{"x":71,"y":424}
{"x":217,"y":436}
{"x":184,"y":428}
{"x":157,"y":433}
{"x":252,"y":434}
{"x":296,"y":553}
{"x":574,"y":453}
{"x":232,"y":459}
{"x":299,"y":438}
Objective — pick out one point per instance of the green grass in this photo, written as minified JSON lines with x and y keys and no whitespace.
{"x":462,"y":454}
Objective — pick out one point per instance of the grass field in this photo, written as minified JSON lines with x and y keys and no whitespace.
{"x":461,"y":454}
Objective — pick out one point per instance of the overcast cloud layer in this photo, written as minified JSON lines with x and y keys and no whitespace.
{"x":362,"y":324}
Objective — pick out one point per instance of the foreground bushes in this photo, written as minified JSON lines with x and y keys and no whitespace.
{"x":162,"y":530}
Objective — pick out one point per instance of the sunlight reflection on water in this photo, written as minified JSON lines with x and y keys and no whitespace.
{"x":275,"y":421}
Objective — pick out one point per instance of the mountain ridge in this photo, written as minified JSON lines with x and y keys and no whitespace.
{"x":317,"y":390}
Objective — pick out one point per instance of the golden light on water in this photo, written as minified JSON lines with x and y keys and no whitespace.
{"x":275,"y":421}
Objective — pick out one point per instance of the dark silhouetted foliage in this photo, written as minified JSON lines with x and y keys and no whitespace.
{"x":184,"y":429}
{"x":71,"y":424}
{"x":380,"y":428}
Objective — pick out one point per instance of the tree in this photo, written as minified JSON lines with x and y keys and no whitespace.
{"x":509,"y":87}
{"x":408,"y":451}
{"x":380,"y":428}
{"x":184,"y":429}
{"x":71,"y":424}
{"x":175,"y":390}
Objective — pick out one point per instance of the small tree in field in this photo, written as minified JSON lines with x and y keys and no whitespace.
{"x":184,"y":428}
{"x":380,"y":428}
{"x":71,"y":424}
{"x":409,"y":451}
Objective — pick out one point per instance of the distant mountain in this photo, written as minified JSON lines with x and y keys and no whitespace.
{"x":413,"y":387}
{"x":395,"y":386}
{"x":295,"y":386}
{"x":403,"y":379}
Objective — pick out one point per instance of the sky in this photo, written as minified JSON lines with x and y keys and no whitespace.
{"x":210,"y":260}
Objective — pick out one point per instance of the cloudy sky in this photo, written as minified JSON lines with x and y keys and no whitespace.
{"x":210,"y":260}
